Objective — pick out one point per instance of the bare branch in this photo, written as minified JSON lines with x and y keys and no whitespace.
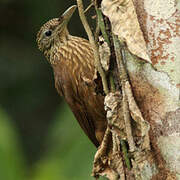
{"x":94,"y":45}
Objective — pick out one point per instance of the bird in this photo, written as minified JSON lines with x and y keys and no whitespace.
{"x":72,"y":61}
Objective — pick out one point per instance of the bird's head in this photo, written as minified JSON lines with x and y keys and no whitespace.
{"x":54,"y":30}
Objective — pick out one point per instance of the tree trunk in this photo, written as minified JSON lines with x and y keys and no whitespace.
{"x":143,"y":113}
{"x":156,"y":87}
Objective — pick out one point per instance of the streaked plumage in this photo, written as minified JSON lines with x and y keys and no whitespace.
{"x":72,"y":61}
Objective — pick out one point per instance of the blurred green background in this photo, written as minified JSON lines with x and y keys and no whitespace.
{"x":39,"y":137}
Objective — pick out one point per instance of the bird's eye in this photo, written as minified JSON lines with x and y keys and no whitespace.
{"x":48,"y":33}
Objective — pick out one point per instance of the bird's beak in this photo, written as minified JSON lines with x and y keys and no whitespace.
{"x":65,"y":17}
{"x":68,"y":13}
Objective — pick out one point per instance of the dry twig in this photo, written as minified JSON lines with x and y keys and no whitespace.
{"x":94,"y":46}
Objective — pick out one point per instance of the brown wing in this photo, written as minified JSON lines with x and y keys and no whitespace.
{"x":74,"y":73}
{"x":73,"y":97}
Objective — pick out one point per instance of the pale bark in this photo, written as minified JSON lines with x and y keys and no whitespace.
{"x":145,"y":110}
{"x":156,"y":87}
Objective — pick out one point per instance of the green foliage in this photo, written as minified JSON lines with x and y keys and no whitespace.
{"x":70,"y":152}
{"x":12,"y":166}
